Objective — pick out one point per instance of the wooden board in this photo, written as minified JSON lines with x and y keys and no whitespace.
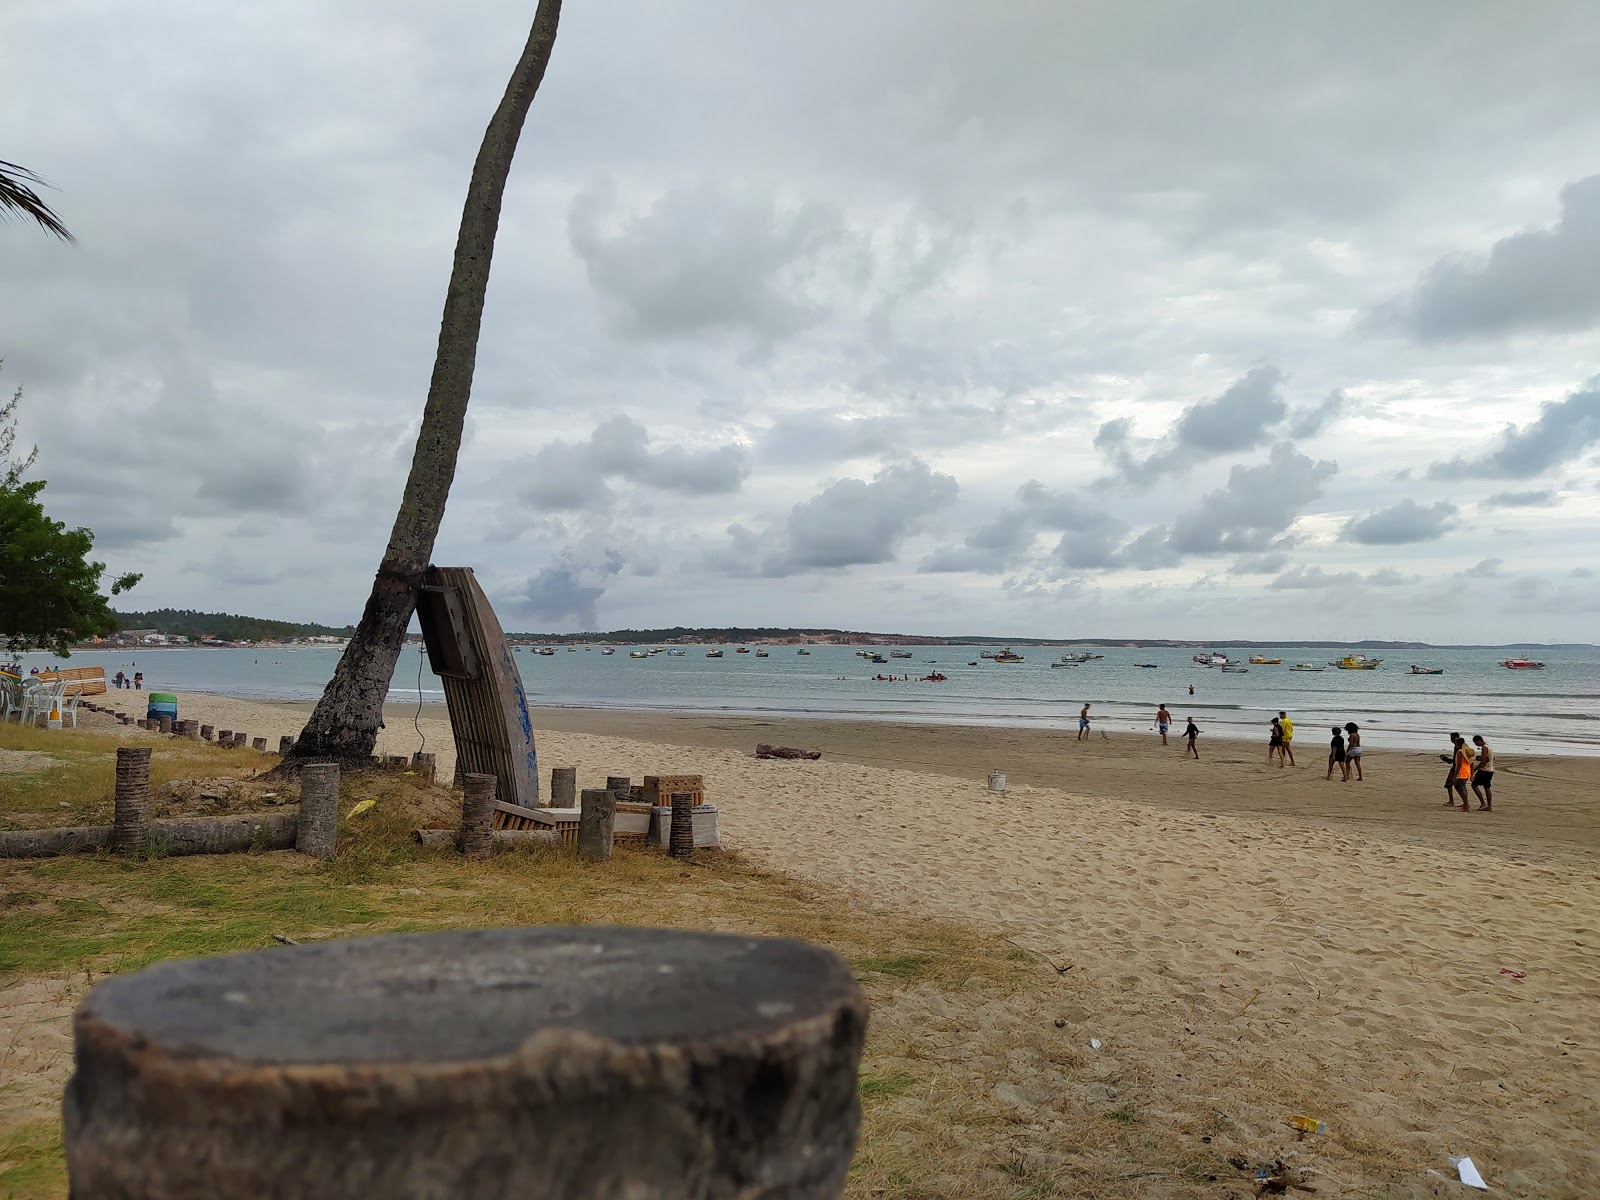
{"x":81,"y":681}
{"x":482,"y":687}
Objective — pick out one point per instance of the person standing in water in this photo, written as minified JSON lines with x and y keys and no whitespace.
{"x":1192,"y":731}
{"x":1288,"y":735}
{"x":1163,"y":722}
{"x":1483,"y":775}
{"x":1352,"y":753}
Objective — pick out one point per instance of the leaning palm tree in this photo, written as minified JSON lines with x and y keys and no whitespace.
{"x":345,"y":723}
{"x":17,"y":195}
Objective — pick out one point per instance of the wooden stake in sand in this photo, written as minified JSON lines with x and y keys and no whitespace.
{"x":546,"y":1063}
{"x":597,"y":818}
{"x":477,"y":815}
{"x":680,"y":838}
{"x":130,"y":820}
{"x":318,"y":830}
{"x":563,"y":787}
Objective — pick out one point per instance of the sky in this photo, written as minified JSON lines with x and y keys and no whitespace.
{"x":1057,"y":320}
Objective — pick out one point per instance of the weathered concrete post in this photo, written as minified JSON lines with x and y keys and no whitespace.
{"x":563,"y":787}
{"x":224,"y":737}
{"x":259,"y":743}
{"x":164,"y":723}
{"x":477,"y":815}
{"x":130,"y":819}
{"x":680,"y":839}
{"x":240,"y":740}
{"x":597,"y":817}
{"x":618,"y":783}
{"x":191,"y":730}
{"x":285,"y":744}
{"x":318,"y":831}
{"x":208,"y":731}
{"x":545,"y":1063}
{"x":426,"y":765}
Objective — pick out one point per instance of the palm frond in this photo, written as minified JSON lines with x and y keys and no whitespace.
{"x":17,"y":195}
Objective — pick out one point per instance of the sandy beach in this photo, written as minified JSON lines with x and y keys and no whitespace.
{"x":1244,"y":942}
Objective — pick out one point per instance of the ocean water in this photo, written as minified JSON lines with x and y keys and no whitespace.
{"x":1554,"y":711}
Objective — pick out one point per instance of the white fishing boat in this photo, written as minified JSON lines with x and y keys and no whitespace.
{"x":802,"y":650}
{"x":638,"y":654}
{"x":713,"y":653}
{"x":762,"y":654}
{"x":676,"y":653}
{"x":608,"y":649}
{"x":899,"y":654}
{"x":1307,"y":667}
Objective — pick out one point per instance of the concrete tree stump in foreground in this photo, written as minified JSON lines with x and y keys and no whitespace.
{"x":285,"y":744}
{"x":597,"y":819}
{"x":553,"y":1063}
{"x":680,"y":834}
{"x":425,"y":765}
{"x":477,"y":815}
{"x":224,"y":737}
{"x":207,"y":731}
{"x":259,"y":744}
{"x":318,"y":831}
{"x":130,"y":819}
{"x":563,"y":787}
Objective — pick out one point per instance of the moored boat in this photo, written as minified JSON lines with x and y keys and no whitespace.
{"x":1522,"y":664}
{"x":1356,"y":662}
{"x":762,"y":654}
{"x":1261,"y":660}
{"x":713,"y":653}
{"x":1235,"y":669}
{"x":1307,"y":667}
{"x":899,"y":654}
{"x":638,"y":654}
{"x":1416,"y":670}
{"x":802,"y":650}
{"x":608,"y":649}
{"x":1008,"y":657}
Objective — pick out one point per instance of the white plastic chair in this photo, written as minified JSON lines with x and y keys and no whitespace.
{"x":69,"y":709}
{"x":10,"y":696}
{"x":39,"y":698}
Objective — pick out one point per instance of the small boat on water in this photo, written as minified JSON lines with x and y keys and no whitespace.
{"x":608,"y":649}
{"x":1416,"y":670}
{"x":878,"y":658}
{"x":1522,"y":664}
{"x":1356,"y":662}
{"x":713,"y":653}
{"x":1008,"y":657}
{"x":1061,"y":664}
{"x":762,"y":654}
{"x":676,"y":653}
{"x":1307,"y":667}
{"x":1147,"y":666}
{"x":638,"y":654}
{"x":1235,"y":669}
{"x":1261,"y":660}
{"x":546,"y":650}
{"x":742,"y":650}
{"x":899,"y":654}
{"x":802,"y":650}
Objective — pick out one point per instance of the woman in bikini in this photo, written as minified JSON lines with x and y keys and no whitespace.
{"x":1352,"y":754}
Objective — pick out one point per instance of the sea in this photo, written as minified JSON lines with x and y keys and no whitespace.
{"x":1553,"y":711}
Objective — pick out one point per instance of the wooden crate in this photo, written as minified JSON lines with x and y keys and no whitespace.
{"x":513,"y":816}
{"x":632,"y":822}
{"x":659,"y":789}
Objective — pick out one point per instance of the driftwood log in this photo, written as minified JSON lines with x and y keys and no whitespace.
{"x":765,"y":751}
{"x":171,"y":836}
{"x":543,"y":1063}
{"x":500,"y":840}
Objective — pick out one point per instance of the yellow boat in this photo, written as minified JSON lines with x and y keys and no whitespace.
{"x":1257,"y":660}
{"x":1356,"y":662}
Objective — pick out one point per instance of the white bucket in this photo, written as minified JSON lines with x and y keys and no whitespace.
{"x":997,"y":781}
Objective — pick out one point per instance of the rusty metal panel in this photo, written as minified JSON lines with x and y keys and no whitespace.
{"x":482,"y":689}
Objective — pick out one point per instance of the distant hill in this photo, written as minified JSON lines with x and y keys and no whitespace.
{"x":226,"y":626}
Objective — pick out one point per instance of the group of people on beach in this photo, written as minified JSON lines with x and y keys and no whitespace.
{"x":119,"y":681}
{"x":1469,"y":767}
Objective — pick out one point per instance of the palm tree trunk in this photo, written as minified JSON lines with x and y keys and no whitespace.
{"x":345,"y":724}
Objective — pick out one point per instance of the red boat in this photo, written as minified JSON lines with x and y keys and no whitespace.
{"x":1522,"y":664}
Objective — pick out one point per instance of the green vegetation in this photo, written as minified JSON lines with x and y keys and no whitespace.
{"x":225,"y":626}
{"x":49,"y":589}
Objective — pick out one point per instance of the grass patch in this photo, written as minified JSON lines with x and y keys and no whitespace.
{"x":885,"y":1086}
{"x":31,"y":1161}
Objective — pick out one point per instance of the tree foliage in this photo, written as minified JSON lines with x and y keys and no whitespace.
{"x":17,"y":195}
{"x":228,"y":627}
{"x":49,"y":589}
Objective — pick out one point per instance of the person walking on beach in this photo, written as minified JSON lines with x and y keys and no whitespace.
{"x":1288,"y":736}
{"x":1083,"y":722}
{"x":1192,"y":731}
{"x":1163,"y":722}
{"x":1336,"y":756}
{"x":1352,"y":753}
{"x":1483,"y":775}
{"x":1275,"y":743}
{"x":1455,"y":782}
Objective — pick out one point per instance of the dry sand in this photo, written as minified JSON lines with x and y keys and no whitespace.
{"x":1245,"y":942}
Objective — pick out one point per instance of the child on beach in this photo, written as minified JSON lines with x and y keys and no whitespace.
{"x":1192,"y":731}
{"x":1336,"y":756}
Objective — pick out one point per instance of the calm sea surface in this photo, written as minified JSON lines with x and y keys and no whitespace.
{"x":1554,"y":711}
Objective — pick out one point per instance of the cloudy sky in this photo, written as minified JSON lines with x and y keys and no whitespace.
{"x":1162,"y":319}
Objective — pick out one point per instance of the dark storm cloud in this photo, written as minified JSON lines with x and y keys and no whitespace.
{"x":572,"y":476}
{"x":1539,"y":279}
{"x":854,"y":522}
{"x":1240,"y":418}
{"x":568,"y":591}
{"x":1259,"y":503}
{"x":1542,"y":498}
{"x":1401,"y":524}
{"x":1564,"y":431}
{"x":1308,"y":422}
